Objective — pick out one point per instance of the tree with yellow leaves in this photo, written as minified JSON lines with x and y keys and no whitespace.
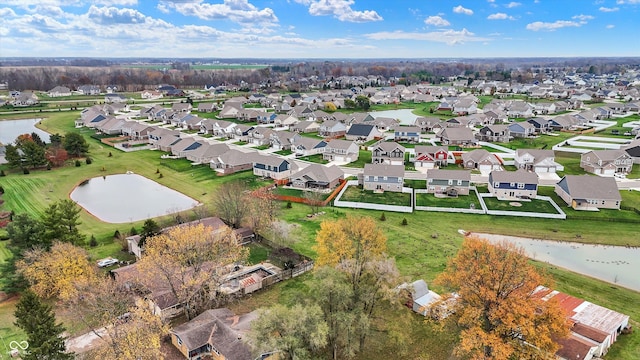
{"x":57,"y":272}
{"x":496,"y":308}
{"x":191,"y":261}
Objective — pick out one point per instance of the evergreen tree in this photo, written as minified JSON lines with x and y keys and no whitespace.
{"x":44,"y":335}
{"x":13,"y":156}
{"x":75,"y":144}
{"x":149,"y":229}
{"x":61,"y":222}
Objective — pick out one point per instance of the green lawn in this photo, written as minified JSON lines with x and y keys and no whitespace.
{"x":364,"y":157}
{"x":460,"y":202}
{"x":283,"y":152}
{"x":415,"y":184}
{"x":540,"y":142}
{"x":357,"y":194}
{"x":533,"y":205}
{"x":317,"y":158}
{"x":262,"y":147}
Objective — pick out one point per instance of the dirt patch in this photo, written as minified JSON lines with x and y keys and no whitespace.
{"x":515,"y":204}
{"x":3,"y":296}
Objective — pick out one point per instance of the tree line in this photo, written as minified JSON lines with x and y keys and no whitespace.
{"x":29,"y":151}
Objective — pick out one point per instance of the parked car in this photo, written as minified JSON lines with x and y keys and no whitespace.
{"x":107,"y":262}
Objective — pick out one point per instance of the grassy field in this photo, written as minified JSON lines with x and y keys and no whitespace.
{"x":317,"y":158}
{"x":461,"y":202}
{"x":357,"y":194}
{"x":533,"y":205}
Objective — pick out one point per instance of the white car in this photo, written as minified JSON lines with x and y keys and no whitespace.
{"x":107,"y":262}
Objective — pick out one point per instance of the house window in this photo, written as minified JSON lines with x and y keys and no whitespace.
{"x":178,"y":340}
{"x":520,"y":186}
{"x":512,"y":184}
{"x":496,"y":184}
{"x":459,"y":182}
{"x":375,"y":178}
{"x":450,"y":182}
{"x":384,"y":178}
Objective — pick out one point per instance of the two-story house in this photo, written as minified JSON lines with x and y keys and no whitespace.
{"x":494,"y":133}
{"x":536,"y":160}
{"x":382,"y":177}
{"x":606,"y":162}
{"x":343,"y":151}
{"x":273,"y":167}
{"x":429,"y":157}
{"x":448,"y":182}
{"x":390,"y":153}
{"x":408,"y":134}
{"x":513,"y":184}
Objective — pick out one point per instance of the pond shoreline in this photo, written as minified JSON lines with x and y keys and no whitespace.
{"x":616,"y":265}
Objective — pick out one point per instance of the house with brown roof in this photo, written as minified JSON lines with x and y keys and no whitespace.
{"x":233,"y":161}
{"x":448,"y":182}
{"x":341,"y":150}
{"x":429,"y":157}
{"x":587,"y":192}
{"x":388,"y":152}
{"x":536,"y":160}
{"x":606,"y":162}
{"x":317,"y":177}
{"x":482,"y":160}
{"x":461,"y":136}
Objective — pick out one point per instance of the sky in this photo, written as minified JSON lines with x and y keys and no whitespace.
{"x":319,"y":28}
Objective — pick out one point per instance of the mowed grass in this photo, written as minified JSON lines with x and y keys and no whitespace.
{"x":533,"y":205}
{"x":357,"y":194}
{"x":461,"y":202}
{"x":8,"y":331}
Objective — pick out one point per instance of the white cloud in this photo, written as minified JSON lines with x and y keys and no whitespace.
{"x":583,"y":18}
{"x":461,"y":10}
{"x":451,"y":37}
{"x":436,"y":21}
{"x":7,"y":12}
{"x":620,"y":2}
{"x":112,"y":15}
{"x":117,"y":2}
{"x":548,"y":26}
{"x":239,"y":11}
{"x":513,"y":4}
{"x":606,"y":9}
{"x":340,"y":9}
{"x":500,"y":16}
{"x":610,"y":26}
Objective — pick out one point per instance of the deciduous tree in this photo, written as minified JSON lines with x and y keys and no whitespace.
{"x":192,"y":261}
{"x":497,"y":310}
{"x":230,"y":202}
{"x":58,"y":272}
{"x":296,"y":332}
{"x":44,"y":335}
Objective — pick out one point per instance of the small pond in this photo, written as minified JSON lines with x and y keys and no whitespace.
{"x":11,"y":129}
{"x":124,"y":198}
{"x":406,"y":116}
{"x":614,"y":264}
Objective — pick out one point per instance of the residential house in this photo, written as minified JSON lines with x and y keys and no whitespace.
{"x":633,"y":149}
{"x":332,"y":129}
{"x":308,"y":126}
{"x":240,"y":132}
{"x":465,"y":107}
{"x":207,"y":107}
{"x":136,"y":130}
{"x":151,"y":95}
{"x":429,"y":157}
{"x":111,"y":126}
{"x":563,"y":122}
{"x":384,"y":124}
{"x":234,"y":160}
{"x":305,"y":146}
{"x":513,"y":184}
{"x":260,"y":136}
{"x":448,"y":182}
{"x":494,"y":133}
{"x":519,"y":109}
{"x":284,"y":120}
{"x":114,"y":98}
{"x":230,"y":111}
{"x":587,"y":192}
{"x":540,"y":125}
{"x":362,"y":133}
{"x":342,"y":151}
{"x":606,"y":162}
{"x":282,"y":140}
{"x":274,"y":167}
{"x":427,"y":124}
{"x":158,"y":134}
{"x":185,"y":145}
{"x":317,"y":177}
{"x":536,"y":160}
{"x":263,"y":117}
{"x":207,"y":152}
{"x":521,"y":129}
{"x":482,"y":160}
{"x":456,"y":136}
{"x":59,"y":91}
{"x":382,"y":177}
{"x":390,"y":153}
{"x":25,"y":98}
{"x":217,"y":334}
{"x":407,"y":134}
{"x":89,"y":89}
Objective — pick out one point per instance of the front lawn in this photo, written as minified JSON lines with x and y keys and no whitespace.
{"x":283,"y":152}
{"x":357,"y":194}
{"x":262,"y":147}
{"x":317,"y":158}
{"x":460,"y":202}
{"x":364,"y":157}
{"x":533,"y":206}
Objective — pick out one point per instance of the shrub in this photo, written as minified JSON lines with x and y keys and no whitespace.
{"x":157,"y":171}
{"x":110,"y":154}
{"x":88,"y":161}
{"x":25,"y":171}
{"x":116,"y":234}
{"x":1,"y":190}
{"x":93,"y":242}
{"x":78,"y":163}
{"x":404,"y":222}
{"x":382,"y":217}
{"x":289,"y":206}
{"x":2,"y":173}
{"x":160,"y":176}
{"x":48,"y":166}
{"x":133,"y":231}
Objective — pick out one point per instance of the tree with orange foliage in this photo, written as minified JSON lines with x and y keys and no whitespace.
{"x":497,"y":310}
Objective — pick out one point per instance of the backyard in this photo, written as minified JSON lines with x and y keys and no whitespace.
{"x":357,"y":194}
{"x":532,"y":205}
{"x":458,"y":202}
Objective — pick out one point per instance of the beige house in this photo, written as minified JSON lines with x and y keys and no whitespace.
{"x":587,"y":192}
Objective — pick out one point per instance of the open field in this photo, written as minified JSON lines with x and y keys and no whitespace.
{"x":421,"y":249}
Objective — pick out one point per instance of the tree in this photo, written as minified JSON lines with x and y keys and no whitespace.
{"x":192,"y":261}
{"x":44,"y":335}
{"x":58,"y":272}
{"x":24,"y":233}
{"x":314,"y":199}
{"x":56,"y":140}
{"x":36,"y":139}
{"x":61,"y":222}
{"x":363,"y":102}
{"x":34,"y":155}
{"x":150,"y":228}
{"x":330,"y":107}
{"x":296,"y":332}
{"x":12,"y":156}
{"x":57,"y":156}
{"x":497,"y":310}
{"x":75,"y":144}
{"x":230,"y":202}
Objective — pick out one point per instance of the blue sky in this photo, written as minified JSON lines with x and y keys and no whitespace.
{"x":319,"y":28}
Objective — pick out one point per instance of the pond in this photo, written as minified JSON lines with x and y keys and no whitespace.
{"x":406,"y":116}
{"x":11,"y":129}
{"x":614,"y":264}
{"x":124,"y":198}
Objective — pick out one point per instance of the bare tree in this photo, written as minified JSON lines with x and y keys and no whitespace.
{"x":230,"y":203}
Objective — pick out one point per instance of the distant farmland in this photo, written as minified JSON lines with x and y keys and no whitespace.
{"x":198,"y":67}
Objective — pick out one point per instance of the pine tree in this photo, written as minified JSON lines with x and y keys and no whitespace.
{"x":44,"y":336}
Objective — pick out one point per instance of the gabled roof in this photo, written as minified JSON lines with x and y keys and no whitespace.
{"x":383,"y":170}
{"x":449,"y":174}
{"x":519,"y":176}
{"x":360,"y":129}
{"x":590,"y":187}
{"x":388,"y":146}
{"x":319,"y":173}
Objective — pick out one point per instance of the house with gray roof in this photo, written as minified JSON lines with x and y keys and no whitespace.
{"x":59,"y":91}
{"x":606,"y":162}
{"x":494,"y":133}
{"x":482,"y":160}
{"x":274,"y":167}
{"x":341,"y":151}
{"x":448,"y":182}
{"x":382,"y":177}
{"x":519,"y":184}
{"x":317,"y":177}
{"x":305,"y":146}
{"x":205,"y":153}
{"x":332,"y":129}
{"x":408,"y":134}
{"x":587,"y":192}
{"x":461,"y":136}
{"x":537,"y":160}
{"x":234,"y":160}
{"x":388,"y":152}
{"x":307,"y":126}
